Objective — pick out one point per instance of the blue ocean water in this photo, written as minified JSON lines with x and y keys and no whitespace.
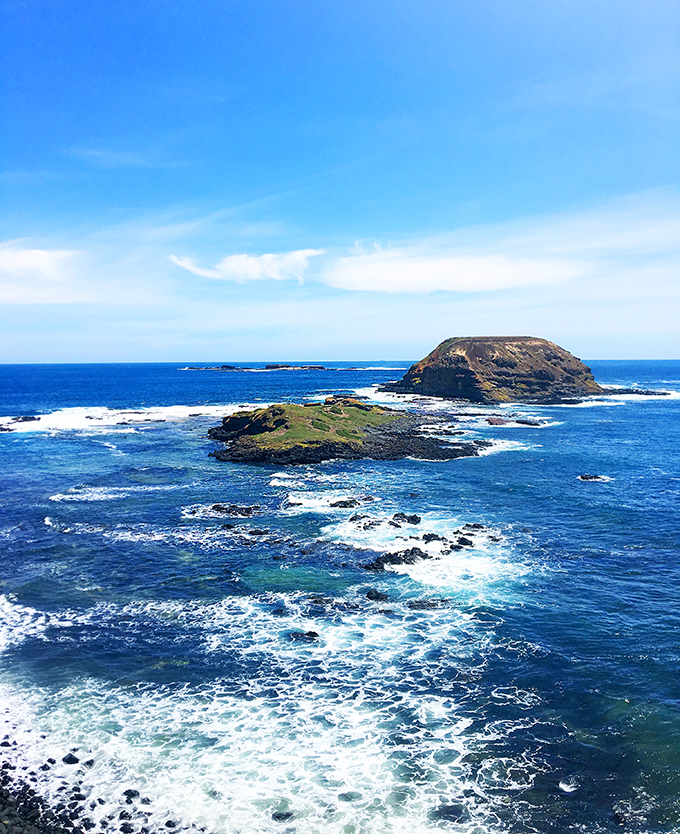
{"x":232,"y":670}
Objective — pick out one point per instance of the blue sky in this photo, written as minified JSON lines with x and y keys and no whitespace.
{"x":222,"y":181}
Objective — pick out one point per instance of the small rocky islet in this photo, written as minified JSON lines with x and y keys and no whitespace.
{"x":339,"y":427}
{"x":504,"y":369}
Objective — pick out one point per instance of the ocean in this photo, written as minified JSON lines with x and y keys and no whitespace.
{"x":193,"y":645}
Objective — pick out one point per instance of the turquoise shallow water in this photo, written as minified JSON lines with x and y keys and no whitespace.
{"x":232,"y":669}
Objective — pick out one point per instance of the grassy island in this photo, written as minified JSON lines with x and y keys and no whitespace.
{"x":339,"y":427}
{"x":285,"y":425}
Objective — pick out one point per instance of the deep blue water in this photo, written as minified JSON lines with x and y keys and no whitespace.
{"x":232,"y":669}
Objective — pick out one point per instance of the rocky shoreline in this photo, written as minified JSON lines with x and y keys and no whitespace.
{"x":24,"y":811}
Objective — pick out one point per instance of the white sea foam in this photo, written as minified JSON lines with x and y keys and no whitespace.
{"x":479,"y":572}
{"x":310,"y":501}
{"x":88,"y":494}
{"x":346,"y":748}
{"x":508,"y":446}
{"x":98,"y":419}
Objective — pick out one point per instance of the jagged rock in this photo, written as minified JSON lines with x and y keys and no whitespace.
{"x":402,"y":557}
{"x":345,"y":503}
{"x":235,"y":509}
{"x":491,"y":369}
{"x":409,"y":519}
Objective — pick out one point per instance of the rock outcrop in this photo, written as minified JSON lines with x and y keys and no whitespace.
{"x":496,"y":369}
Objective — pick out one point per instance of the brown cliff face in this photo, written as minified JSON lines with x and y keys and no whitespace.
{"x":493,"y":369}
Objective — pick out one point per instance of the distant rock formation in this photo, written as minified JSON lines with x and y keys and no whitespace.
{"x":496,"y":369}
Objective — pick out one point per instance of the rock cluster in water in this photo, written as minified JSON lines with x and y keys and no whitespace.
{"x":493,"y":369}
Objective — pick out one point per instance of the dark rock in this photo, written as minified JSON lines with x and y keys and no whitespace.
{"x":303,"y":636}
{"x":433,"y":537}
{"x":409,"y":519}
{"x":586,"y":477}
{"x":282,"y":816}
{"x":70,"y":759}
{"x":467,"y":542}
{"x":235,"y":509}
{"x":258,"y":532}
{"x":426,"y":604}
{"x":376,"y":596}
{"x":348,"y":503}
{"x":402,"y":557}
{"x":474,"y":526}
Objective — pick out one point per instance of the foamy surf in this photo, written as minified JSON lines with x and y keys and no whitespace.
{"x":88,"y":494}
{"x":321,"y":752}
{"x":96,"y":419}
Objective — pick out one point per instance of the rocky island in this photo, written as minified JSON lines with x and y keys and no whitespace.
{"x":340,"y":427}
{"x":497,"y":369}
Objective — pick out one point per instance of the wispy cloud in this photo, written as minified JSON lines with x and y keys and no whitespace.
{"x":603,"y":281}
{"x":30,"y":276}
{"x":109,"y":158}
{"x":274,"y":267}
{"x":407,"y":270}
{"x":592,"y":245}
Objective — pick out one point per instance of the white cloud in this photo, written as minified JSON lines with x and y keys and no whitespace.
{"x":42,"y":262}
{"x":30,"y":276}
{"x":403,"y":270}
{"x":640,"y":233}
{"x":276,"y":267}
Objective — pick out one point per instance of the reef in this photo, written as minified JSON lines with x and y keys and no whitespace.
{"x":339,"y":427}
